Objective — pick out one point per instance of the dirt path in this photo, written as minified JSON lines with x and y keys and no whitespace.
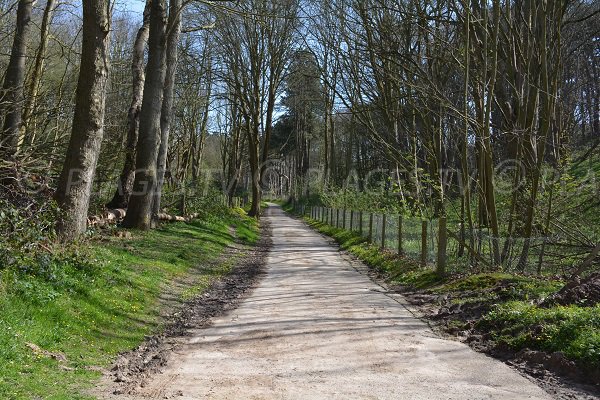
{"x":317,"y":328}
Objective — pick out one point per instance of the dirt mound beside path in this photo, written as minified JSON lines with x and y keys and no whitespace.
{"x":583,"y":292}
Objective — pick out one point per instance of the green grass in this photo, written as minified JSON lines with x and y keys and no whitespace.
{"x":90,"y":311}
{"x":573,"y":330}
{"x":263,"y":205}
{"x":513,"y":319}
{"x":505,"y":286}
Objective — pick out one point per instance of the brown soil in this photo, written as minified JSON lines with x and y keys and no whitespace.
{"x":584,"y":292}
{"x":131,"y":369}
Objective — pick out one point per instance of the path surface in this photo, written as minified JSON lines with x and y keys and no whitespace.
{"x":316,"y":328}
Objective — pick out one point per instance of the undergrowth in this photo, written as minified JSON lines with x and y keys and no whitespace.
{"x":68,"y":311}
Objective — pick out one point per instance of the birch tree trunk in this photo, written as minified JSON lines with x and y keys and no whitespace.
{"x":75,"y":183}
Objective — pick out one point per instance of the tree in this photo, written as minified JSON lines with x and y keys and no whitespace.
{"x":304,"y":100}
{"x":139,"y":212}
{"x":75,"y":182}
{"x":256,"y":47}
{"x":173,"y":33}
{"x":33,"y":89}
{"x":125,"y":183}
{"x":13,"y":88}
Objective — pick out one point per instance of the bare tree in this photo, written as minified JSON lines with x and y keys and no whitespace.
{"x":173,"y":33}
{"x":256,"y":47}
{"x":27,"y":129}
{"x":125,"y":182}
{"x":75,"y":182}
{"x":13,"y":88}
{"x":139,"y":213}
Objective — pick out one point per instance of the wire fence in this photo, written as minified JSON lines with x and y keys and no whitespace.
{"x":451,"y":249}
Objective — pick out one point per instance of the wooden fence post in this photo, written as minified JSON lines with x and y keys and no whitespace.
{"x":360,"y":228}
{"x":370,"y":227}
{"x":383,"y":231}
{"x":424,"y":251}
{"x":400,"y":250}
{"x":442,"y":246}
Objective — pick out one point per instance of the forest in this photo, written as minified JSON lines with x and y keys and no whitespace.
{"x":461,"y":136}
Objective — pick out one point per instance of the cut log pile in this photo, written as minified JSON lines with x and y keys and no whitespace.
{"x":116,"y":215}
{"x":175,"y":218}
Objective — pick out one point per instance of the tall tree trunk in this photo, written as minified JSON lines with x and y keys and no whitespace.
{"x":271,"y":98}
{"x":27,"y":131}
{"x":253,"y":145}
{"x":548,"y":94}
{"x":75,"y":183}
{"x":326,"y":149}
{"x":174,"y":30}
{"x":125,"y":182}
{"x":235,"y":155}
{"x":139,"y":213}
{"x":12,"y":96}
{"x":201,"y":141}
{"x":466,"y":212}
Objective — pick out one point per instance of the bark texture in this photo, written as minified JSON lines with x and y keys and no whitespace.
{"x":174,"y":31}
{"x":125,"y":183}
{"x":27,"y":131}
{"x":12,"y":98}
{"x":139,"y":212}
{"x":75,"y":183}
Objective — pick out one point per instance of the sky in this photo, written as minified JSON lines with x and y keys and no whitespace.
{"x":135,"y":6}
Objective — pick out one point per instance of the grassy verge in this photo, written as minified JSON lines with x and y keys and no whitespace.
{"x":58,"y":327}
{"x":504,"y":307}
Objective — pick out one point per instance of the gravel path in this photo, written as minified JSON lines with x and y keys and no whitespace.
{"x":316,"y":328}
